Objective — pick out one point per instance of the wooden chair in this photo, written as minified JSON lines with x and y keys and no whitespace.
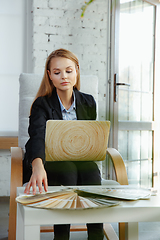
{"x":29,"y":84}
{"x":6,"y":142}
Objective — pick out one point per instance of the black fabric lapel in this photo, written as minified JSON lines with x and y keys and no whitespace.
{"x":55,"y":105}
{"x":81,"y":109}
{"x":81,"y":106}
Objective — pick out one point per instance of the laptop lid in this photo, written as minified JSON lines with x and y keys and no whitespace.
{"x":76,"y":140}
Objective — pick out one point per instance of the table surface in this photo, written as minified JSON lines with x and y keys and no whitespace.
{"x":126,"y":211}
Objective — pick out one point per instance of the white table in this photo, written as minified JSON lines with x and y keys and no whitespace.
{"x":29,"y":219}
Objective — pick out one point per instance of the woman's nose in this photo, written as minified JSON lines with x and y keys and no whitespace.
{"x":63,"y":75}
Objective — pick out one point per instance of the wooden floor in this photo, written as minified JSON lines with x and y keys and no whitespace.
{"x":147,"y":231}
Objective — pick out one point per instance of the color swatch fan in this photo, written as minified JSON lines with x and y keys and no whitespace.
{"x":65,"y":199}
{"x":83,"y":197}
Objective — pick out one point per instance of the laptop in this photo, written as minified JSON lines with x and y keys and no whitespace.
{"x":79,"y":140}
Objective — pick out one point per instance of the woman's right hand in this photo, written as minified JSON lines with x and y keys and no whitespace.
{"x":38,"y":177}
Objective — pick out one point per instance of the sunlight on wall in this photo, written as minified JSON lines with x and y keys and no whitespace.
{"x":11,"y":62}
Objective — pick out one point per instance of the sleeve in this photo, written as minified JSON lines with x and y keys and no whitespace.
{"x":35,"y":147}
{"x":93,"y":109}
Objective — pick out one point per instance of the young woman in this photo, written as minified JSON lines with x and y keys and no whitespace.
{"x":59,"y":98}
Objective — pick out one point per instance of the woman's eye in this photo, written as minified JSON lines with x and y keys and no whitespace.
{"x":69,"y":71}
{"x":57,"y":73}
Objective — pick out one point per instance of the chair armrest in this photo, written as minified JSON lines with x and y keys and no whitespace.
{"x":16,"y":168}
{"x":16,"y":181}
{"x":119,"y":166}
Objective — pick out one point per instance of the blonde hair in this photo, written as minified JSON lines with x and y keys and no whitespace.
{"x":47,"y":86}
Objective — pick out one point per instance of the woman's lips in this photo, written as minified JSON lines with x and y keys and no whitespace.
{"x":64,"y":83}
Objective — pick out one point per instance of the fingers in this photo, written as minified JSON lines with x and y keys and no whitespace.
{"x":34,"y":187}
{"x":28,"y":187}
{"x":38,"y":177}
{"x":45,"y":184}
{"x":39,"y":183}
{"x":26,"y":190}
{"x":33,"y":183}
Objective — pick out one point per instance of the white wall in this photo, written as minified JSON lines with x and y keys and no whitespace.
{"x":11,"y":62}
{"x":11,"y":65}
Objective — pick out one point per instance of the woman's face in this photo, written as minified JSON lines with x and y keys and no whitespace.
{"x":62,"y":73}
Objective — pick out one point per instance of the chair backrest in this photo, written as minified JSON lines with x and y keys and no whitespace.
{"x":76,"y":140}
{"x":29,"y":84}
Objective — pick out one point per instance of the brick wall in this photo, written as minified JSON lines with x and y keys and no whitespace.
{"x":57,"y":24}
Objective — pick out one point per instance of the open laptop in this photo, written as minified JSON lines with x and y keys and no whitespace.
{"x":76,"y":140}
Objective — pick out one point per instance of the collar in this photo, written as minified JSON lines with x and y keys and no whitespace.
{"x":73,"y":106}
{"x":80,"y":102}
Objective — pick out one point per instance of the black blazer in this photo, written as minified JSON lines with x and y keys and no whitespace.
{"x":45,"y":108}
